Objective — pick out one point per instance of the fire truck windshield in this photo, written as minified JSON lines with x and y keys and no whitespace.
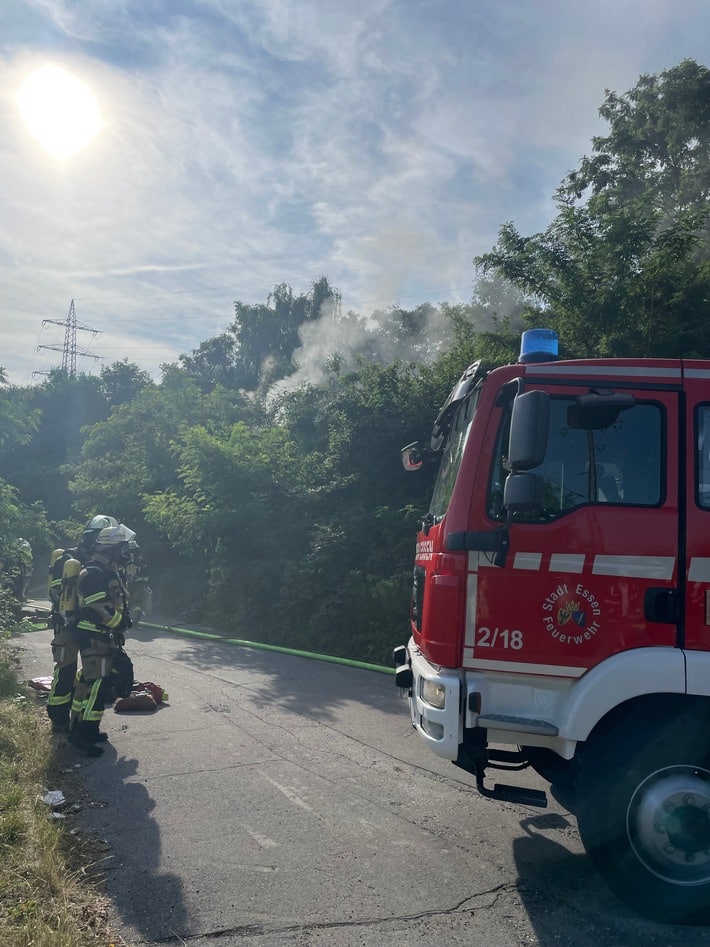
{"x":451,"y":455}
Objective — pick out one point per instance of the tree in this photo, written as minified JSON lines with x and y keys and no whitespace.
{"x":658,"y":144}
{"x":214,"y":363}
{"x":130,"y":453}
{"x":18,"y":418}
{"x":122,"y":381}
{"x":257,"y":348}
{"x":57,"y":411}
{"x":296,"y":518}
{"x":624,"y":269}
{"x":134,"y":454}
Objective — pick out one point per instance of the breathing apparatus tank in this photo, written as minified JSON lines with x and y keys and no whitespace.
{"x":69,"y":596}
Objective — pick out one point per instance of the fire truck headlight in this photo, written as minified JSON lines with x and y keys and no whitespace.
{"x":434,"y":694}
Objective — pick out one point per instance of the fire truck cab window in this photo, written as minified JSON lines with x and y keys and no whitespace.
{"x":620,"y":464}
{"x":452,"y":455}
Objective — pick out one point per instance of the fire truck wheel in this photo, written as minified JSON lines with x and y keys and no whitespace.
{"x":559,"y":773}
{"x":644,"y":817}
{"x":551,"y":766}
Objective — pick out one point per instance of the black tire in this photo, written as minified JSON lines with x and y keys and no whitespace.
{"x":561,"y":774}
{"x":644,"y":812}
{"x":551,"y":766}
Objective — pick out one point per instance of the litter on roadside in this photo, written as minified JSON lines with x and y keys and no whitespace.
{"x":53,"y":797}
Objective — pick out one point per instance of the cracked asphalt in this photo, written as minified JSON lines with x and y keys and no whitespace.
{"x":276,"y":801}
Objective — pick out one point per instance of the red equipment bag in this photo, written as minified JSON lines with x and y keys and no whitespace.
{"x":144,"y":696}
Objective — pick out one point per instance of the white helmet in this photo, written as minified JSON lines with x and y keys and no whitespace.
{"x":94,"y":527}
{"x":100,"y":521}
{"x":113,"y":542}
{"x":114,"y":535}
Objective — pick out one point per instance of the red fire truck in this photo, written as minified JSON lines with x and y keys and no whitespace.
{"x":560,"y":616}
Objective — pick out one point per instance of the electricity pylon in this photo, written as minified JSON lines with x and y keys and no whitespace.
{"x":69,"y":350}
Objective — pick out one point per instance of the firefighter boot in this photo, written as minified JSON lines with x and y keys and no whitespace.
{"x":93,"y":733}
{"x":81,"y":738}
{"x":60,"y":719}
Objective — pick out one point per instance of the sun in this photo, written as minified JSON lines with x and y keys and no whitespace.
{"x":59,"y":111}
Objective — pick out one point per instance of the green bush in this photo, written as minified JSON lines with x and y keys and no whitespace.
{"x":8,"y":676}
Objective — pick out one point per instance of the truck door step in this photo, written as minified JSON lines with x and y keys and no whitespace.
{"x":519,"y":724}
{"x":517,"y":794}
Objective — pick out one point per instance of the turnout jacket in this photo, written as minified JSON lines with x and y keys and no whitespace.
{"x":103,"y":604}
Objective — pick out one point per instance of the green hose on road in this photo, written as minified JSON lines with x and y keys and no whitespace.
{"x":313,"y":656}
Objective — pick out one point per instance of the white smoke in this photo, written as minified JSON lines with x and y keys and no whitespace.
{"x":334,"y":339}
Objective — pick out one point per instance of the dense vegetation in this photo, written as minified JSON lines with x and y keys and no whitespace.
{"x":262,"y":471}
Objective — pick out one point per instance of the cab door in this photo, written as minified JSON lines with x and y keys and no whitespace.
{"x":593,"y":569}
{"x":696,"y":626}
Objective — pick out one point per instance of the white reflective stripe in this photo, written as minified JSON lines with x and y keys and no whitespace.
{"x":478,"y":559}
{"x":699,"y":570}
{"x":549,"y":670}
{"x":471,"y":606}
{"x":591,"y":371}
{"x":528,"y":560}
{"x":638,"y":567}
{"x":566,"y":562}
{"x":697,"y":373}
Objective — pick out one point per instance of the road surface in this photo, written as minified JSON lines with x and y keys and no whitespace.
{"x":276,"y":801}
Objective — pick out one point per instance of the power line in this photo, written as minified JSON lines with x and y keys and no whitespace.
{"x":69,"y":349}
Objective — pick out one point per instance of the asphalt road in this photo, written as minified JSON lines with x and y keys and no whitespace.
{"x":278,"y":801}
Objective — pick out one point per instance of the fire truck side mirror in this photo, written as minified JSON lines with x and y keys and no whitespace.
{"x":412,"y":458}
{"x":529,"y":427}
{"x":522,"y":492}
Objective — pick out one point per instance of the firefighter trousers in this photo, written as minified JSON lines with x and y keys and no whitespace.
{"x":65,"y":651}
{"x":94,"y":688}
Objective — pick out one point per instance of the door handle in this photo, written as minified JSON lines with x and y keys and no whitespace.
{"x":661,"y":605}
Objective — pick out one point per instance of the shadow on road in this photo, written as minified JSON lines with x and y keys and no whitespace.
{"x":151,"y":900}
{"x":562,"y":893}
{"x":284,"y":682}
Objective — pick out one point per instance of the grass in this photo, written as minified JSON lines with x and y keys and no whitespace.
{"x":47,"y":897}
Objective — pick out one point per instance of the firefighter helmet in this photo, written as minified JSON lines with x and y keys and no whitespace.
{"x":115,"y":535}
{"x":101,"y":521}
{"x":113,"y":542}
{"x":94,"y":527}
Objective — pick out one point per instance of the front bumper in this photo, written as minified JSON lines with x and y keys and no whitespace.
{"x":441,"y":728}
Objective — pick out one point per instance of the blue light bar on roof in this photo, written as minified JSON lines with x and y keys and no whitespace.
{"x":538,"y":345}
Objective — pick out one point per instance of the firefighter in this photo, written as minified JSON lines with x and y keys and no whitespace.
{"x":24,"y":567}
{"x":140,"y":594}
{"x":16,"y":569}
{"x":64,"y":568}
{"x":103,"y":619}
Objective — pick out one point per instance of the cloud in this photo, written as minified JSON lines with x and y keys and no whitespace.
{"x":246,"y":144}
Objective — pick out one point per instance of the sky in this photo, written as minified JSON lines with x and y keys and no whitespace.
{"x":245,"y":143}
